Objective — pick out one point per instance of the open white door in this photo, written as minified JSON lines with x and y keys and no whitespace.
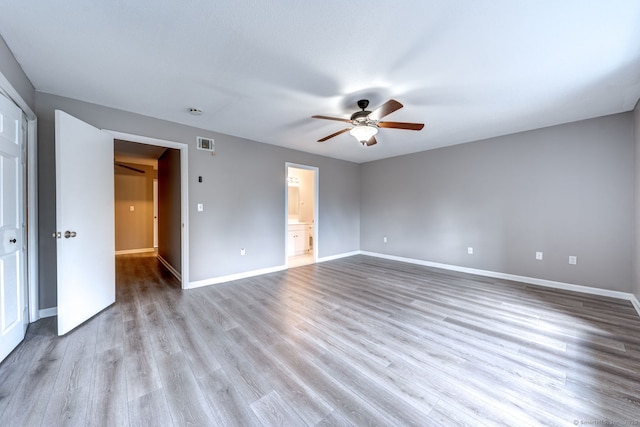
{"x":84,"y":221}
{"x":13,"y":302}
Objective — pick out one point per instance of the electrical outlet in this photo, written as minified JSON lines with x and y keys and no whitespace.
{"x":470,"y":250}
{"x":132,"y":208}
{"x":384,"y":239}
{"x":573,"y":260}
{"x":243,"y":252}
{"x":539,"y":256}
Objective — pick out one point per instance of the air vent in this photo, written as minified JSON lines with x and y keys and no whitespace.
{"x":206,"y":144}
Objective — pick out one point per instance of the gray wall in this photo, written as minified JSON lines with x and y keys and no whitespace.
{"x":12,"y":71}
{"x":243,"y":192}
{"x":564,"y":190}
{"x":636,"y":218}
{"x":169,"y":215}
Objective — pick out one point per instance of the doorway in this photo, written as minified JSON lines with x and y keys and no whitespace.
{"x":301,"y":215}
{"x":135,"y":175}
{"x":174,"y":229}
{"x":80,"y":258}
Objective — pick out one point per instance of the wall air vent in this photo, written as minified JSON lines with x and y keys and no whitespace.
{"x":206,"y":144}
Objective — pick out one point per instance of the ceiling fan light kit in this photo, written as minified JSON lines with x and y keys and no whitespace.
{"x":366,"y":123}
{"x":363,"y":133}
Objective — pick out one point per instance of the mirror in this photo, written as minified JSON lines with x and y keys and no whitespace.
{"x":294,"y":202}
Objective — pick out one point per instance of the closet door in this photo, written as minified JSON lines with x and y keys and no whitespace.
{"x":13,"y":303}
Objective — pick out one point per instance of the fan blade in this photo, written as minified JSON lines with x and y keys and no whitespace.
{"x":387,"y":108}
{"x":334,"y":134}
{"x":128,"y":167}
{"x":372,"y":141}
{"x":331,"y":118}
{"x":401,"y":125}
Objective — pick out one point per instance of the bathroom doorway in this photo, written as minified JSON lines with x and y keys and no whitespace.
{"x":301,"y":215}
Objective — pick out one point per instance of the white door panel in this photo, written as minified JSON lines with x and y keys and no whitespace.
{"x":12,"y":264}
{"x":85,"y":221}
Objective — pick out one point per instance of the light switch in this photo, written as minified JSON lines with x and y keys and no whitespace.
{"x":200,"y":207}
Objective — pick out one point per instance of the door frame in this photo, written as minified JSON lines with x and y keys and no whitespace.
{"x":316,"y":210}
{"x":31,"y":187}
{"x":184,"y":192}
{"x":155,"y":213}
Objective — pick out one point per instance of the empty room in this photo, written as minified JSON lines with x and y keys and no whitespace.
{"x":420,"y":213}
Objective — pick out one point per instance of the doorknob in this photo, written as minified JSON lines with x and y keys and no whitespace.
{"x":12,"y":240}
{"x":68,"y":234}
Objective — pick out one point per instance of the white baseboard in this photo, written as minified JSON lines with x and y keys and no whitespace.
{"x":338,"y":256}
{"x":237,"y":276}
{"x":169,"y":267}
{"x":135,"y":251}
{"x":53,"y":311}
{"x":48,"y":312}
{"x":636,"y":303}
{"x":252,"y":273}
{"x":516,"y":278}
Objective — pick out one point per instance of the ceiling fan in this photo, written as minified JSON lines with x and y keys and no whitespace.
{"x":366,"y":123}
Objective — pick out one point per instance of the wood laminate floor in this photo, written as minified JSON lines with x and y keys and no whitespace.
{"x":300,"y":260}
{"x":357,"y":341}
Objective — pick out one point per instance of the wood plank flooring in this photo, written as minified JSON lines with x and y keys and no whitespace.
{"x":357,"y":341}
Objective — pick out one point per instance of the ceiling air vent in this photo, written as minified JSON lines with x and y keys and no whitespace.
{"x":206,"y":144}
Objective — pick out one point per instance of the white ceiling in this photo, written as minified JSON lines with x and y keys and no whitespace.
{"x":468,"y":69}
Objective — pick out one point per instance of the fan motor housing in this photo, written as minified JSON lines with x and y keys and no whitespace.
{"x":359,"y":116}
{"x":363,"y":104}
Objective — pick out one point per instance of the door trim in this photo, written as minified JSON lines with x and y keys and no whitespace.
{"x":316,"y":210}
{"x":184,"y":191}
{"x":32,"y":220}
